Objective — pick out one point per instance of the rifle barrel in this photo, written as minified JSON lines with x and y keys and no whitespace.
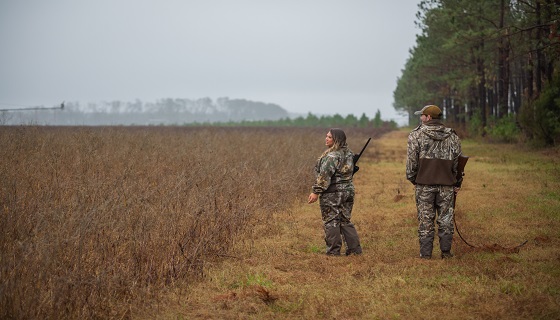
{"x":363,"y":149}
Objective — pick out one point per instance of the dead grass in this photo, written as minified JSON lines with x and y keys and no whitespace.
{"x":103,"y":222}
{"x":510,"y":195}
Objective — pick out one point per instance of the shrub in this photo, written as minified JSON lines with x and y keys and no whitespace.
{"x":541,"y":119}
{"x":475,"y":125}
{"x":504,"y":130}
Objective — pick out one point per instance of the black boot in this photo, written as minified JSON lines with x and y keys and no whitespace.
{"x":351,"y":239}
{"x":446,"y":254}
{"x":333,"y":240}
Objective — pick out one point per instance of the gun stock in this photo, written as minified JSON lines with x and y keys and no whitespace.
{"x":461,"y":167}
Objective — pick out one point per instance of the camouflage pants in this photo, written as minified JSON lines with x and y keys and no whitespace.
{"x":336,"y":211}
{"x":432,"y":199}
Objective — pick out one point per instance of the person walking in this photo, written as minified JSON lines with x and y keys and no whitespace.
{"x":334,"y":187}
{"x":433,"y":152}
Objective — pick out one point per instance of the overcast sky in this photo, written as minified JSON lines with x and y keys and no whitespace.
{"x":318,"y":56}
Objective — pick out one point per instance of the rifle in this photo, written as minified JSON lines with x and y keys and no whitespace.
{"x":460,"y":173}
{"x":461,"y":169}
{"x":357,"y":157}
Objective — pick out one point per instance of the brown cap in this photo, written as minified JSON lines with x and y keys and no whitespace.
{"x":430,"y":110}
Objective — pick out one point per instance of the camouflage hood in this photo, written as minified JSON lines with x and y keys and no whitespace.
{"x":435,"y":130}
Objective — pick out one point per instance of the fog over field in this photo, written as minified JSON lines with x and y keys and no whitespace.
{"x":322,"y":57}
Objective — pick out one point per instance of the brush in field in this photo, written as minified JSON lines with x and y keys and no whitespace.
{"x":265,"y":295}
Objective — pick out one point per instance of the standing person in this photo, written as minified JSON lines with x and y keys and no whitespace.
{"x":431,"y":165}
{"x":334,"y":188}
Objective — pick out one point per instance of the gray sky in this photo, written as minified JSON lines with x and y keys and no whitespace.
{"x":318,"y":56}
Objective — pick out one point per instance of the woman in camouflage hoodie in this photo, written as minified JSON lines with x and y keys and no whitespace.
{"x":334,"y":188}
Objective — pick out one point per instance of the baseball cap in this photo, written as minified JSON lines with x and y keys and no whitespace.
{"x":430,"y":110}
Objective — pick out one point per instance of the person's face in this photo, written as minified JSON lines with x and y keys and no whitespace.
{"x":329,"y":142}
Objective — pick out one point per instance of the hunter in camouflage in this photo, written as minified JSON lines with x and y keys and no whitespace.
{"x":334,"y":187}
{"x":432,"y":157}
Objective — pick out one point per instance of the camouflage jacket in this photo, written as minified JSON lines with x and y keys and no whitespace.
{"x":433,"y":154}
{"x":334,"y":171}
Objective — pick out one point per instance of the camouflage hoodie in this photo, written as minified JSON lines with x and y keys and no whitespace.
{"x":334,"y":171}
{"x":432,"y":154}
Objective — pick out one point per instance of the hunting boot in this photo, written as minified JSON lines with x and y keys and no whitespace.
{"x":333,"y":240}
{"x":445,"y":241}
{"x":426,"y":247}
{"x":351,"y":238}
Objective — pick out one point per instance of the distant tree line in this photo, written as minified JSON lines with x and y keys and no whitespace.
{"x":311,"y":120}
{"x":162,"y":112}
{"x":200,"y":112}
{"x":492,"y":65}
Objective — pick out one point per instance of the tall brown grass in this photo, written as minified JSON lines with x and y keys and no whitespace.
{"x":97,"y":222}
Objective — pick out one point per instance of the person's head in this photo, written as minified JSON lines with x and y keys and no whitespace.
{"x":336,"y":138}
{"x":429,"y":112}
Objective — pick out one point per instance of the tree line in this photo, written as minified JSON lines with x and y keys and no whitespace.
{"x":168,"y":111}
{"x":311,"y":120}
{"x":492,"y":65}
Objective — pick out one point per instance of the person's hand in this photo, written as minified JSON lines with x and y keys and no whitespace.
{"x":312,"y":198}
{"x":456,"y":189}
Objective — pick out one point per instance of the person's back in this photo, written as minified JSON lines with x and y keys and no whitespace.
{"x":432,"y":158}
{"x":437,"y":148}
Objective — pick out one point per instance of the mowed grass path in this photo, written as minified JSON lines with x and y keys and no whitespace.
{"x":280,"y":272}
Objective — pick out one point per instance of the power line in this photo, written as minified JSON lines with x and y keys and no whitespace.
{"x":61,"y":107}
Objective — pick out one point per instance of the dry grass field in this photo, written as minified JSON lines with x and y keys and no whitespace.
{"x":212,"y":223}
{"x":99,"y":222}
